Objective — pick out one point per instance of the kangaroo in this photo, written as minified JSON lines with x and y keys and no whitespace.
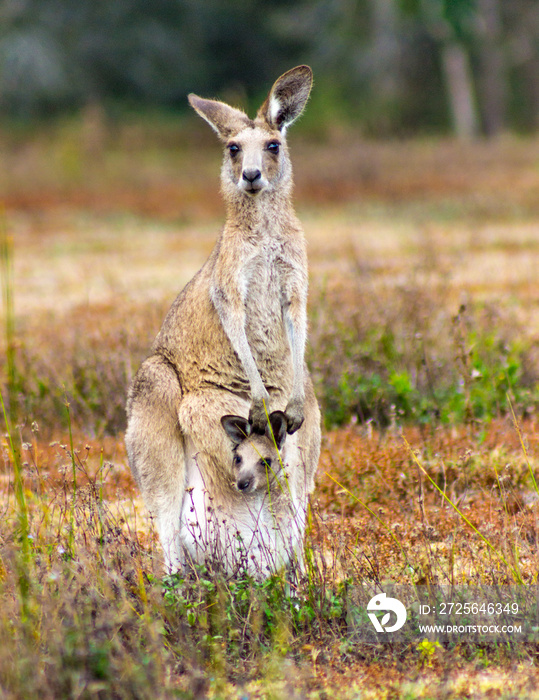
{"x":233,"y":343}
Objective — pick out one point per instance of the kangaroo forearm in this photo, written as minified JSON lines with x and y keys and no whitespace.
{"x":296,"y":328}
{"x":233,"y":322}
{"x":243,"y":350}
{"x":296,"y":331}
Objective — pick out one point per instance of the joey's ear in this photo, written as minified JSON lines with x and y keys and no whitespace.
{"x":279,"y":425}
{"x":287,"y":98}
{"x":236,"y":427}
{"x":225,"y":120}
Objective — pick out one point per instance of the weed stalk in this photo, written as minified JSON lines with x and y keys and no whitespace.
{"x":23,"y":520}
{"x":516,"y":573}
{"x":522,"y":444}
{"x":6,"y":274}
{"x":22,"y":515}
{"x":74,"y":474}
{"x":369,"y":510}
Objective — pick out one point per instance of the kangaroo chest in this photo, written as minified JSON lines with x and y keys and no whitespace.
{"x":268,"y":283}
{"x":267,"y":279}
{"x":263,"y":299}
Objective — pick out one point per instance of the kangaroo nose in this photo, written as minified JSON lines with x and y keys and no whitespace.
{"x":243,"y":484}
{"x":251,"y":174}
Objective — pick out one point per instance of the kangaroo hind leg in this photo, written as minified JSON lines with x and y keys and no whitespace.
{"x":155,"y":450}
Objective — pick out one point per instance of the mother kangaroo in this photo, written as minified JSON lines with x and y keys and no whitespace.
{"x":233,"y":344}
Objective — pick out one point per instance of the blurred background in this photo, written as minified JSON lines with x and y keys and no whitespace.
{"x":390,"y":67}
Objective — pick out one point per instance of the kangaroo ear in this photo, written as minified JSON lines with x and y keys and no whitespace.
{"x":236,"y":427}
{"x":287,"y":98}
{"x":225,"y":120}
{"x":278,"y":426}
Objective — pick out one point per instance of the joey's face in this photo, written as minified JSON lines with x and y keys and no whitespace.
{"x":255,"y":161}
{"x":256,"y":462}
{"x":257,"y":459}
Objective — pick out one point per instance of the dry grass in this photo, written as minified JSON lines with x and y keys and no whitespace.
{"x":424,"y":311}
{"x":96,"y":620}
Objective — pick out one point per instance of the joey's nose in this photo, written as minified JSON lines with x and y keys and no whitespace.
{"x":251,"y":174}
{"x":243,"y":484}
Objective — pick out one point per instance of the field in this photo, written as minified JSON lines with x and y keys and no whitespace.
{"x":424,"y":325}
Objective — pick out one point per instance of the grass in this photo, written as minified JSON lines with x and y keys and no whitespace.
{"x":423,"y":315}
{"x":99,"y":618}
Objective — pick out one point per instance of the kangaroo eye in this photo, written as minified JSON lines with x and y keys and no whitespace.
{"x":266,"y":463}
{"x":273,"y":147}
{"x":237,"y":460}
{"x":233,"y":149}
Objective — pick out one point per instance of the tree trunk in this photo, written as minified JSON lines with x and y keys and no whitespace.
{"x":532,"y":84}
{"x":525,"y":55}
{"x":385,"y":49}
{"x":493,"y":81}
{"x":460,"y":90}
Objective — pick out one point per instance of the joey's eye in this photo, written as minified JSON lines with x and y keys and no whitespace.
{"x":273,"y":147}
{"x":237,"y":460}
{"x":266,"y":463}
{"x":233,"y":149}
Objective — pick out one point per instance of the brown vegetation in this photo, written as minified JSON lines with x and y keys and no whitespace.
{"x":424,"y":294}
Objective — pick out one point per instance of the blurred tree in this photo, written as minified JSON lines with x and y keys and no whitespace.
{"x":521,"y":39}
{"x":450,"y":22}
{"x":389,"y":65}
{"x":357,"y":50}
{"x":54,"y":53}
{"x":493,"y":75}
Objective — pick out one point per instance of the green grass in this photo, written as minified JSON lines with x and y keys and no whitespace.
{"x":389,"y":373}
